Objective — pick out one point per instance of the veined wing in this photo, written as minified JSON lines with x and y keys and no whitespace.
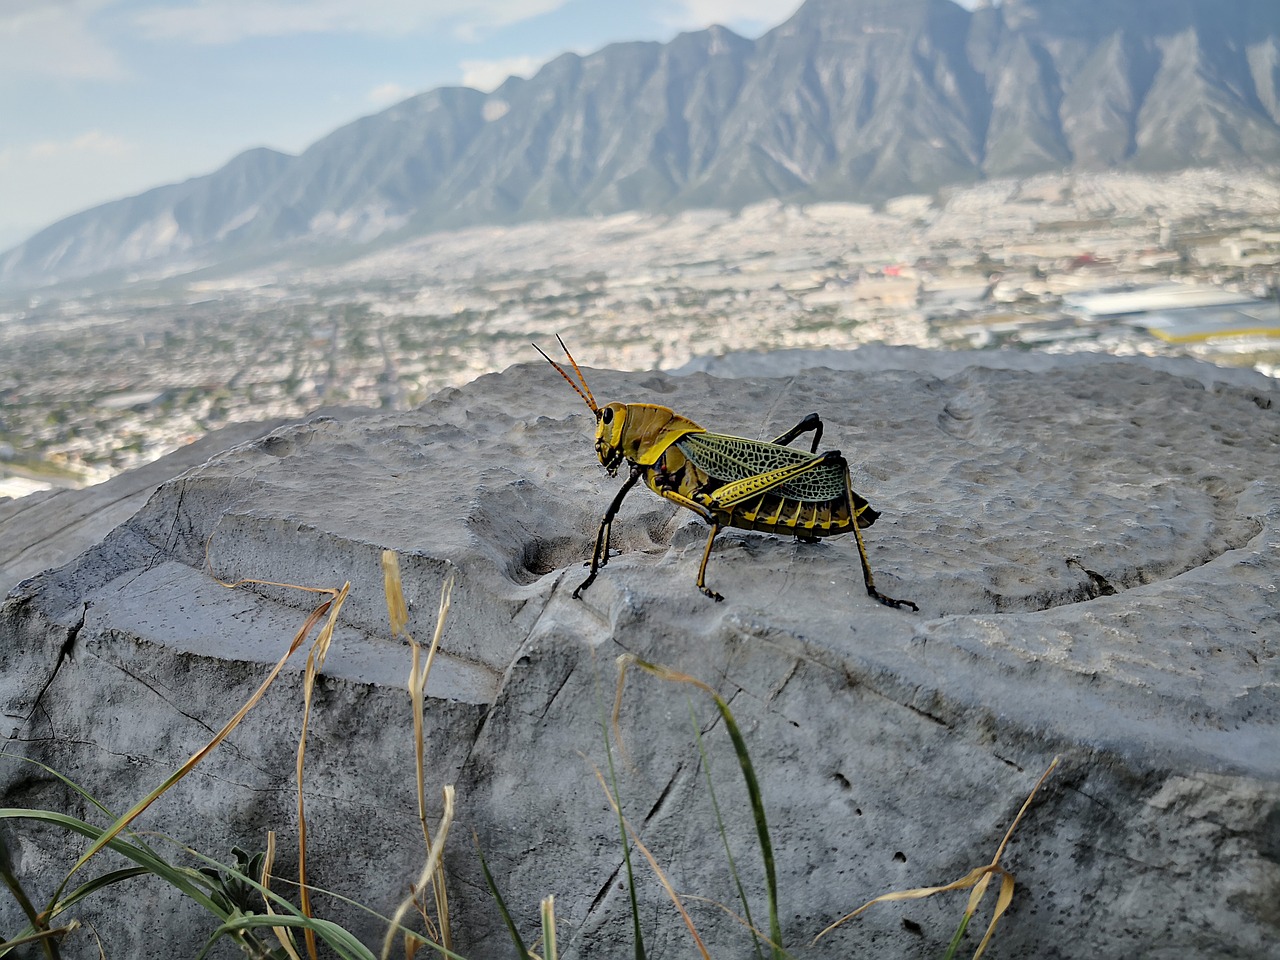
{"x":735,"y":458}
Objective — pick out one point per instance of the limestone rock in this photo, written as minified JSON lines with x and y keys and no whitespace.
{"x":48,"y":529}
{"x":1093,"y":545}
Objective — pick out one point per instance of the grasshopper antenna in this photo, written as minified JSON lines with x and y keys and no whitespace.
{"x":591,"y":401}
{"x":587,"y":398}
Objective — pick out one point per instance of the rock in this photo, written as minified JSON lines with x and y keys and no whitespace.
{"x":1093,"y":546}
{"x":48,"y":529}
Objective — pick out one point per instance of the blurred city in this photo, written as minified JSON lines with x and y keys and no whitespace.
{"x":95,"y":383}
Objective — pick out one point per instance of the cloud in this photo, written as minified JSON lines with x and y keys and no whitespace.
{"x":228,"y":21}
{"x":386,"y":94}
{"x":89,"y":143}
{"x":45,"y":180}
{"x":738,"y":14}
{"x":489,"y":74}
{"x":56,"y":40}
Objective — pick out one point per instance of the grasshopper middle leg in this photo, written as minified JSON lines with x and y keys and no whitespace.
{"x":702,"y":567}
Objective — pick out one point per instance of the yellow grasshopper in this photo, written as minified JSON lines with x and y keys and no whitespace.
{"x":727,"y":481}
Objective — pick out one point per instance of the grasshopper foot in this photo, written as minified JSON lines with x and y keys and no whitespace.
{"x":710,"y":593}
{"x":890,"y":602}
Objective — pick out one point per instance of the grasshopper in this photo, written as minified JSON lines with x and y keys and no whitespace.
{"x":727,"y":481}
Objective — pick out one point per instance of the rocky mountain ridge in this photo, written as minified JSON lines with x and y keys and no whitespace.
{"x":847,"y":100}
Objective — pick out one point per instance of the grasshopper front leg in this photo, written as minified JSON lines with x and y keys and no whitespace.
{"x":600,"y":556}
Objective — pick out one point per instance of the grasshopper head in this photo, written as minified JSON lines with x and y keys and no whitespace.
{"x":638,"y":432}
{"x":611,"y":420}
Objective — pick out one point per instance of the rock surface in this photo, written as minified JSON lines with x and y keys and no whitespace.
{"x":48,"y":529}
{"x":1094,"y":545}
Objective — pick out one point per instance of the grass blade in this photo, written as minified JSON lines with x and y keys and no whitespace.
{"x":100,"y":883}
{"x":428,"y":870}
{"x":46,"y":938}
{"x":315,"y":663}
{"x":549,"y":949}
{"x":762,"y":825}
{"x":637,"y":936}
{"x":188,"y":882}
{"x":978,"y":880}
{"x":653,"y":863}
{"x":40,"y":928}
{"x":754,"y":795}
{"x":522,"y":952}
{"x":1003,"y":899}
{"x":398,"y":616}
{"x":338,"y":939}
{"x":282,"y":933}
{"x":724,"y":834}
{"x":81,"y":791}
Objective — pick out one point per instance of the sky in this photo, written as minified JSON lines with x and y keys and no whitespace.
{"x":102,"y":99}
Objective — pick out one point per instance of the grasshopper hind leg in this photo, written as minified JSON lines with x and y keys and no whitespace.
{"x":870,"y":581}
{"x":890,"y":602}
{"x":811,"y":422}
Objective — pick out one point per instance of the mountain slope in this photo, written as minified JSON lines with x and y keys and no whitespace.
{"x":161,"y":224}
{"x":847,"y":100}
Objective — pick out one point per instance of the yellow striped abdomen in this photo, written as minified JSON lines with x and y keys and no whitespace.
{"x":785,"y":510}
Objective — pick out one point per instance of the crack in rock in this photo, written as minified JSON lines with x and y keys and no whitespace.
{"x":64,"y":653}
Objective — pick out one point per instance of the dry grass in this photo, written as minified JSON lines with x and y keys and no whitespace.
{"x":432,"y":875}
{"x":978,"y":880}
{"x":277,"y":915}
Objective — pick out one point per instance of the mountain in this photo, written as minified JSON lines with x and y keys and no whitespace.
{"x":847,"y":100}
{"x":163,"y":224}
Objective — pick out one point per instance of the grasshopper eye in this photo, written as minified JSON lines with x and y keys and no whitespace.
{"x":606,"y":415}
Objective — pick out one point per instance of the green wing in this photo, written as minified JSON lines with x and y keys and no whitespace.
{"x":729,"y":459}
